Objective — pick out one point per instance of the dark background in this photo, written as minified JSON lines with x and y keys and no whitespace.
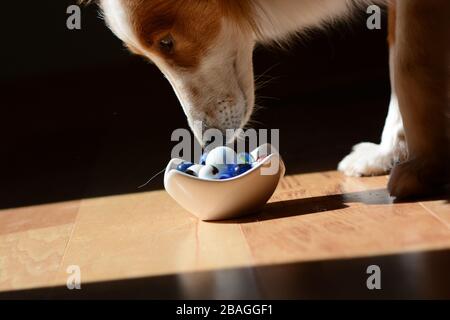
{"x":81,"y":117}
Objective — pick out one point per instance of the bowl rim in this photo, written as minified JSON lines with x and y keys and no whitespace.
{"x":254,"y":168}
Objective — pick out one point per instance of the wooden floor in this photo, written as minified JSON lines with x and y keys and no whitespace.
{"x":314,"y":216}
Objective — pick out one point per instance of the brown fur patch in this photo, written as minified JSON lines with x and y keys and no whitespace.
{"x":392,"y":17}
{"x":194,"y":24}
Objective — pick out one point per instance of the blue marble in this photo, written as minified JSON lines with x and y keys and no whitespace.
{"x":241,"y":168}
{"x":226,"y":169}
{"x":184,"y":166}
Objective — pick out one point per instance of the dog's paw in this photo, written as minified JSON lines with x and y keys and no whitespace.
{"x":366,"y":159}
{"x":418,"y":177}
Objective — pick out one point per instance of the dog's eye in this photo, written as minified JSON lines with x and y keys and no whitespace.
{"x":166,"y":44}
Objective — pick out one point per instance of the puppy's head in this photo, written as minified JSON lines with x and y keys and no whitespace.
{"x":203,"y":47}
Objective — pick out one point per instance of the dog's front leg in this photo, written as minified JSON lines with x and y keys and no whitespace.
{"x":421,"y":81}
{"x":366,"y":158}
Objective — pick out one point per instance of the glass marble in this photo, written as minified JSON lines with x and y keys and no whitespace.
{"x":184,"y":166}
{"x":194,"y":170}
{"x":241,"y":168}
{"x":244,"y":157}
{"x":226,"y":169}
{"x":209,"y":172}
{"x":221,"y":156}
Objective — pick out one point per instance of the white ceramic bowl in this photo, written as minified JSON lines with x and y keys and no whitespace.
{"x":210,"y":199}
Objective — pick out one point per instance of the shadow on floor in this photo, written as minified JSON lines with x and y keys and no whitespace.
{"x":417,"y":275}
{"x":298,"y":207}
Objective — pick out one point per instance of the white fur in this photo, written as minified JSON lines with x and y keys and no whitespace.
{"x":224,"y":80}
{"x":118,"y":21}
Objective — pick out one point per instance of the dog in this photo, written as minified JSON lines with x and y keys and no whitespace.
{"x":204,"y":48}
